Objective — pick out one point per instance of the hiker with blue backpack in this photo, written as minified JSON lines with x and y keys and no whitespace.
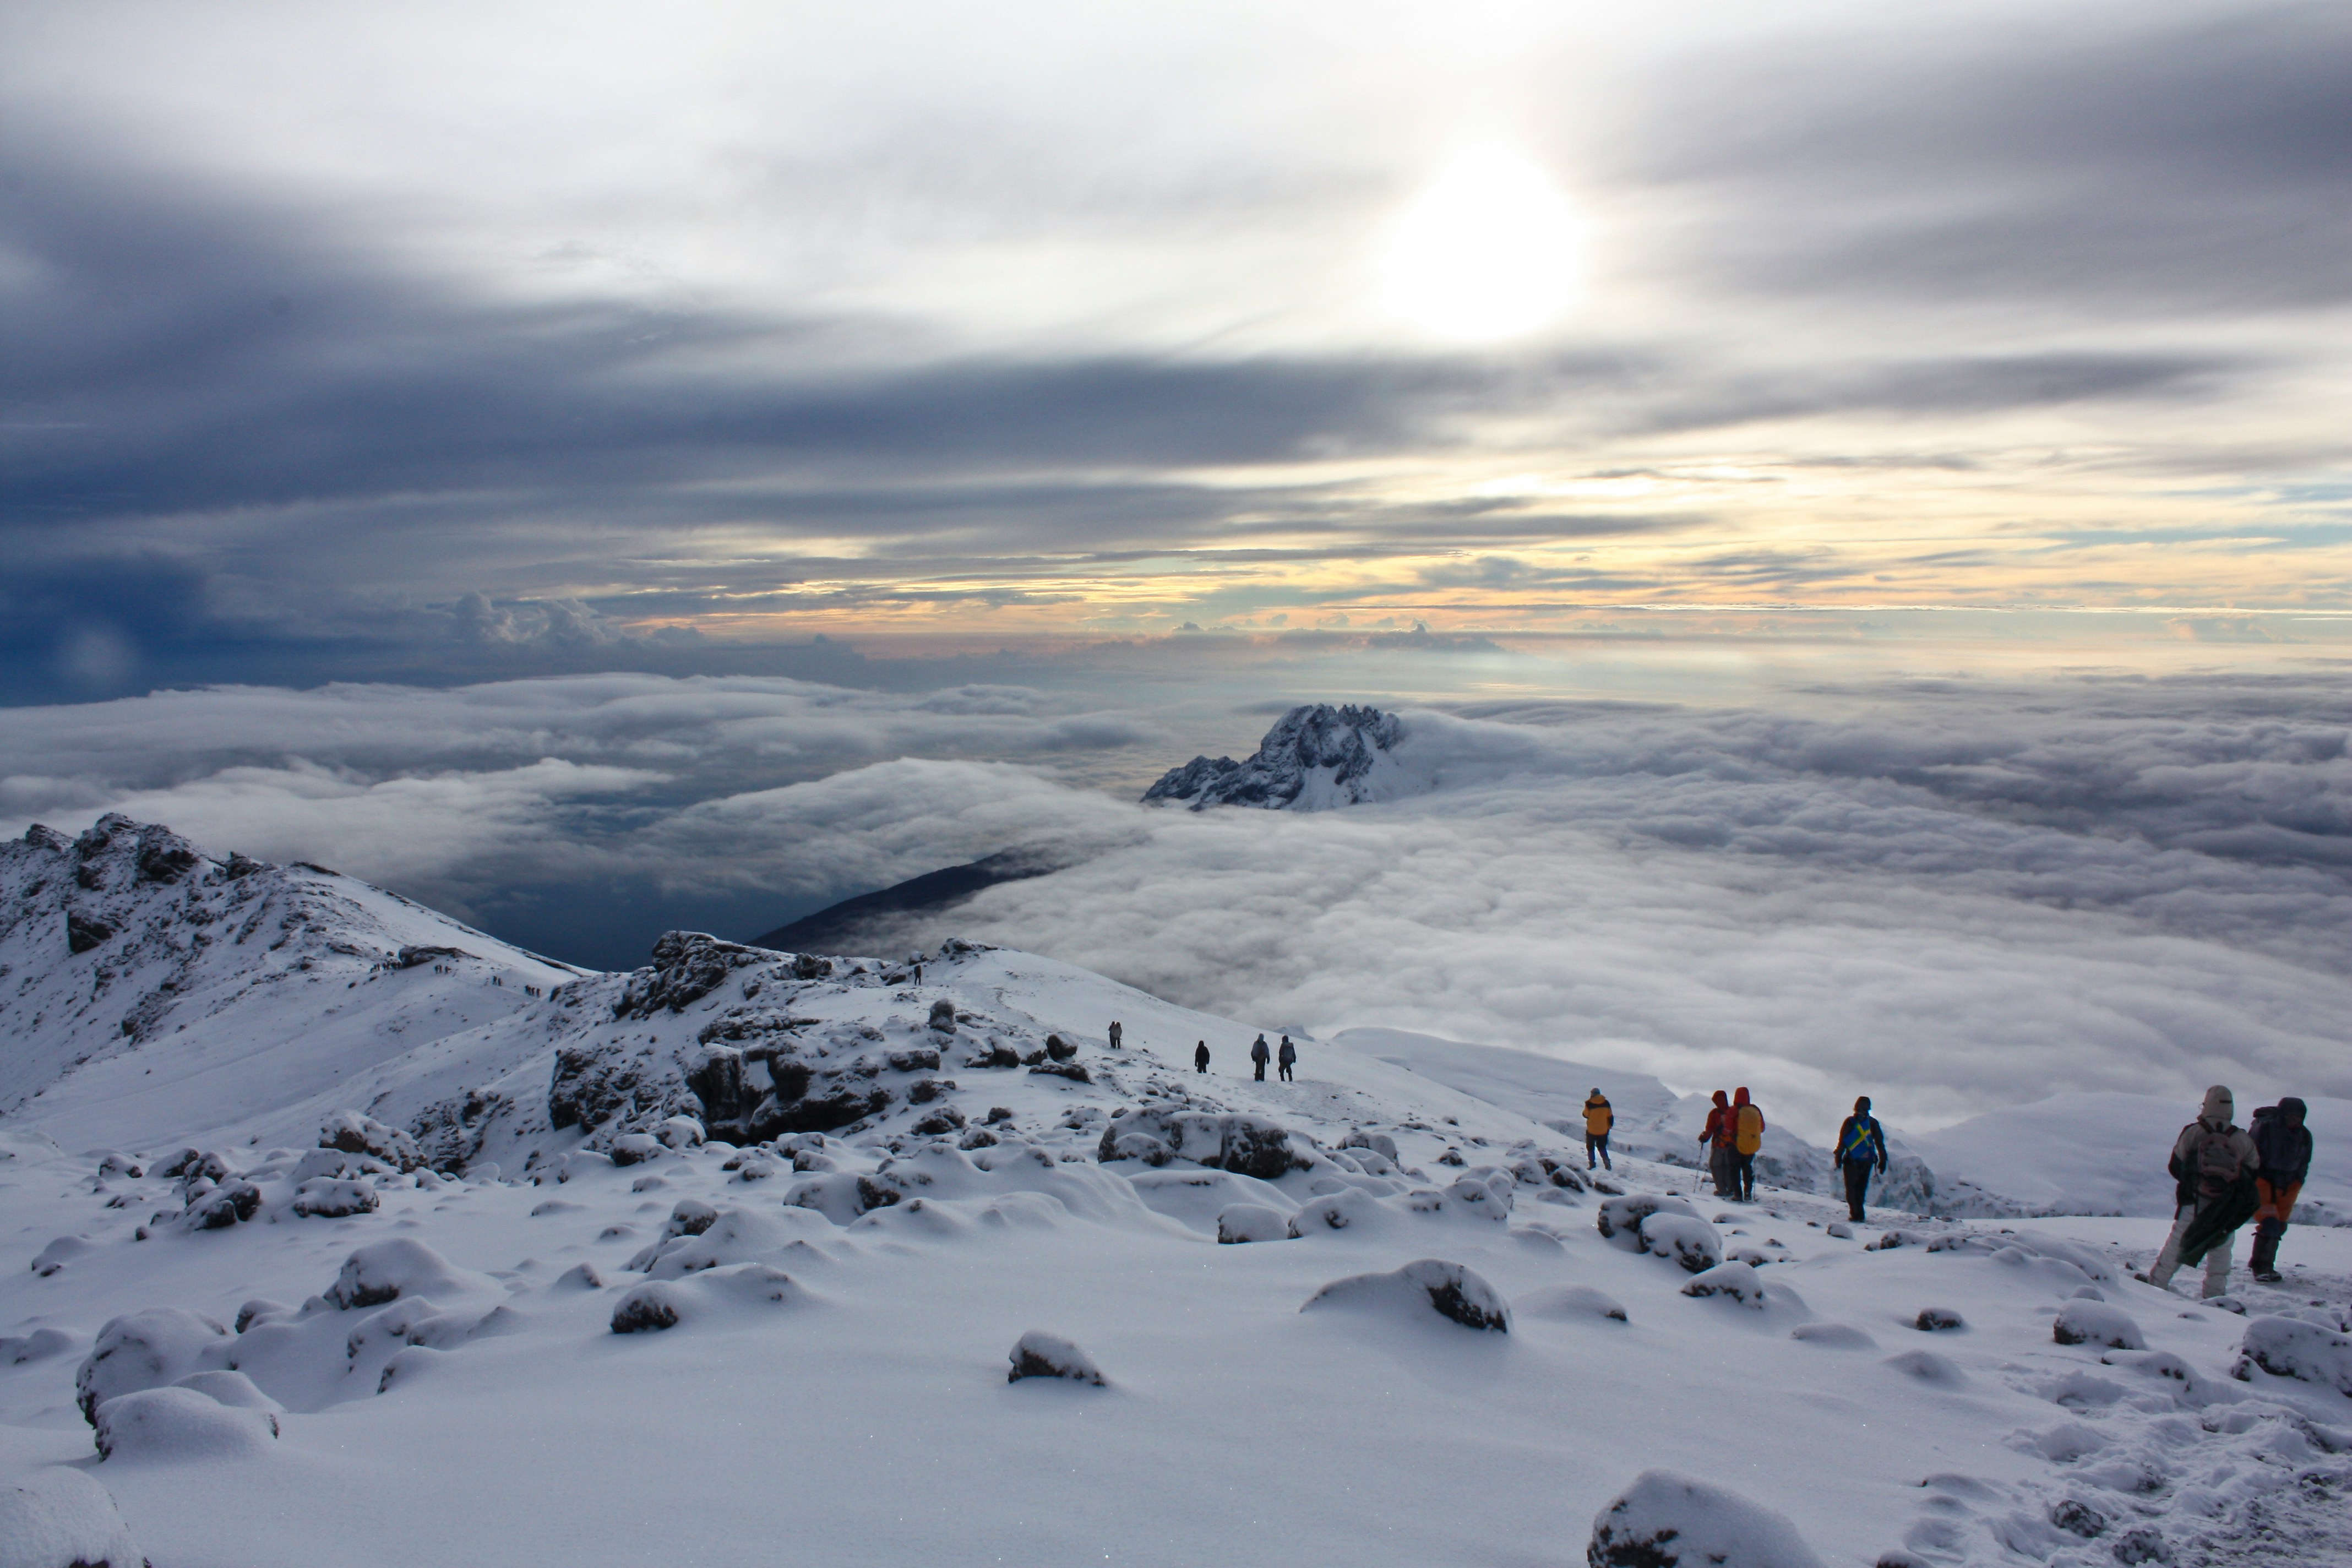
{"x":1861,"y":1144}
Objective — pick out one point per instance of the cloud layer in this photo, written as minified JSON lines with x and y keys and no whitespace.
{"x":1951,"y":895}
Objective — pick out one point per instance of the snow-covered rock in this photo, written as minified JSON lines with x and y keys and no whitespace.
{"x":2289,"y":1347}
{"x":60,"y":1517}
{"x":147,"y":1350}
{"x":1732,"y":1281}
{"x":1252,"y":1222}
{"x":388,"y":1270}
{"x":2081,"y":1322}
{"x":1685,"y":1238}
{"x":1249,"y":1145}
{"x":1315,"y":756}
{"x":162,"y":1423}
{"x":1040,"y":1354}
{"x":1669,"y":1521}
{"x":1427,"y":1285}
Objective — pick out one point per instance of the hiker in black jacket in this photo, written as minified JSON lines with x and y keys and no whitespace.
{"x":1261,"y":1056}
{"x":1286,"y":1058}
{"x":2282,"y":1158}
{"x":1201,"y":1056}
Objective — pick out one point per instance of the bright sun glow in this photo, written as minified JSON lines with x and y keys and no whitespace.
{"x":1488,"y":251}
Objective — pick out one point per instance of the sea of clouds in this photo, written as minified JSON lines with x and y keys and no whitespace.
{"x":1951,"y":895}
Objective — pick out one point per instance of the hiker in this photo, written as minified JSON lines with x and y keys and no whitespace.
{"x":1860,"y":1143}
{"x":2212,"y":1167}
{"x":2283,"y":1145}
{"x":1598,"y":1120}
{"x":1716,"y":1135}
{"x":1287,"y":1057}
{"x":1201,"y":1056}
{"x":1747,"y":1137}
{"x":1260,"y":1054}
{"x":1114,"y":1034}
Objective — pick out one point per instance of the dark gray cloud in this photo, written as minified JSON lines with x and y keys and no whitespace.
{"x":2115,"y":160}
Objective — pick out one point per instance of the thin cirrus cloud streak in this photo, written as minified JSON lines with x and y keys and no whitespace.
{"x":1957,"y":894}
{"x":953,"y":337}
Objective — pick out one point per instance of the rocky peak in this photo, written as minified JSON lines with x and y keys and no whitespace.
{"x":1316,"y":755}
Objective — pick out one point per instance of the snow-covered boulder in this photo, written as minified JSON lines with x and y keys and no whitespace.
{"x":1734,"y":1281}
{"x":219,"y":1207}
{"x":680,"y":1132}
{"x":59,"y":1252}
{"x":323,"y":1197}
{"x":1620,"y":1219}
{"x":1247,"y":1145}
{"x":2290,"y":1347}
{"x":179,"y":1423}
{"x":1252,"y":1222}
{"x":1687,"y":1239}
{"x":147,"y":1350}
{"x":60,"y":1517}
{"x":1570,"y":1303}
{"x":1669,"y":1521}
{"x":1426,"y":1285}
{"x":1040,"y":1354}
{"x":351,"y":1132}
{"x":230,"y":1388}
{"x":2098,"y":1324}
{"x":650,"y":1307}
{"x":388,"y":1270}
{"x":1941,"y":1320}
{"x":1352,"y":1210}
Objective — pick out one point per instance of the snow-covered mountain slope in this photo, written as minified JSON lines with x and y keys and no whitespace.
{"x":148,"y":991}
{"x":1316,"y":757}
{"x":746,"y":1243}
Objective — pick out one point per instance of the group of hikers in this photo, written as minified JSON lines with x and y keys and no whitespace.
{"x":1283,"y":1059}
{"x":2224,"y":1176}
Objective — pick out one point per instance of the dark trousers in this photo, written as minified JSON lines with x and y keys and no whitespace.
{"x":1597,"y":1143}
{"x":1286,"y":1072}
{"x":1201,"y":1066}
{"x":1261,"y":1072}
{"x":2268,"y":1234}
{"x":1722,"y":1166}
{"x":1745,"y":1169}
{"x":1857,"y":1185}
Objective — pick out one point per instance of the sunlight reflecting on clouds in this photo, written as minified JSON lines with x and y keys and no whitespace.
{"x":1488,"y":251}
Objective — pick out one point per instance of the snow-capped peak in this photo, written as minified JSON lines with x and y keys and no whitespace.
{"x":1316,"y":757}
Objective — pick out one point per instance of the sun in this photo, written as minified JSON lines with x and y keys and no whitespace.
{"x":1488,"y":251}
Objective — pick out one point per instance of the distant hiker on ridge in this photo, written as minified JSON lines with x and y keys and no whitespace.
{"x":2212,"y":1167}
{"x":1288,"y":1057}
{"x":2284,"y":1145}
{"x":1261,"y":1056}
{"x":1597,"y":1118}
{"x":1114,"y":1034}
{"x":1716,"y":1136}
{"x":1747,"y":1137}
{"x":1860,"y":1143}
{"x":1201,"y":1056}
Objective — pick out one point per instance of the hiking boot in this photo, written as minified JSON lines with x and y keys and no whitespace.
{"x":2269,"y":1277}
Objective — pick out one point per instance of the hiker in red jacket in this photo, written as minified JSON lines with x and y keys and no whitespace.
{"x":1721,"y":1128}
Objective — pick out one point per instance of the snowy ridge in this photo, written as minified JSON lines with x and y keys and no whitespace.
{"x":917,"y":1216}
{"x":1316,"y":757}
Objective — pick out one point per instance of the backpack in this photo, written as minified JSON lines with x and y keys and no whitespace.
{"x":2219,"y":1165}
{"x":1751,"y":1136}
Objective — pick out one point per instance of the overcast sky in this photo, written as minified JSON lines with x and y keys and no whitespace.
{"x":434,"y":339}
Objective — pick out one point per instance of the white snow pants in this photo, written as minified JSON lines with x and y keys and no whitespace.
{"x":2217,"y":1262}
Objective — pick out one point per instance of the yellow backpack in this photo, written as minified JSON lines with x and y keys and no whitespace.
{"x":1750,"y":1137}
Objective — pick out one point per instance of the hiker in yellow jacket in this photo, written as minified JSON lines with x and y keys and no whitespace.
{"x":1598,"y":1120}
{"x":1747,"y":1137}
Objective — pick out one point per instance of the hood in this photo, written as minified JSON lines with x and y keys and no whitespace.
{"x":2293,"y":1110}
{"x":1738,"y":1097}
{"x":1719,"y":1098}
{"x":2220,"y":1107}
